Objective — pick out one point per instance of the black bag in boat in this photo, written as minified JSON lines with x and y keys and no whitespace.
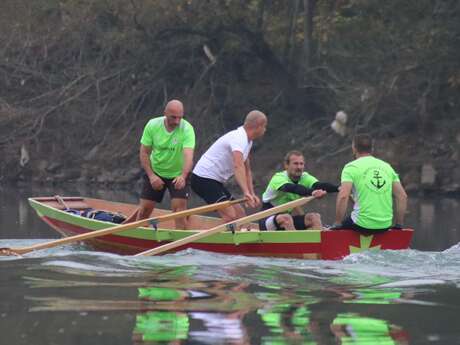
{"x":104,"y":216}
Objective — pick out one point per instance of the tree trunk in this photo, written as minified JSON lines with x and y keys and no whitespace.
{"x":309,"y":7}
{"x":292,"y":15}
{"x":260,"y":17}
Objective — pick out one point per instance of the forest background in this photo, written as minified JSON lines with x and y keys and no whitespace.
{"x":79,"y":79}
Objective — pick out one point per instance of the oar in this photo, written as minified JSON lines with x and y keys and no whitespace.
{"x":118,"y":228}
{"x":230,"y":226}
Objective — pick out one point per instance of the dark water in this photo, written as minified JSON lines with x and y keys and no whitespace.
{"x":71,"y":295}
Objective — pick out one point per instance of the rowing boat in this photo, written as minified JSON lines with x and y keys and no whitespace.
{"x":311,"y":244}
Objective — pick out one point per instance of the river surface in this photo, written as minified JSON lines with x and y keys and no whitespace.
{"x":72,"y":295}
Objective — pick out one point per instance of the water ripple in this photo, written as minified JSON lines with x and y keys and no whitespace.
{"x":404,"y":267}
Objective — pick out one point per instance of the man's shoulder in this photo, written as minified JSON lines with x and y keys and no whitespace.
{"x":364,"y":161}
{"x":155,"y":121}
{"x":235,"y":136}
{"x":234,"y":133}
{"x":353,"y":163}
{"x":280,"y":175}
{"x":384,"y":162}
{"x":186,"y":125}
{"x":381,"y":162}
{"x":306,"y":174}
{"x":361,"y":164}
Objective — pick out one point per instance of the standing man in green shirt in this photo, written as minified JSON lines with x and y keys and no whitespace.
{"x":372,"y":183}
{"x":292,"y":184}
{"x":166,"y":154}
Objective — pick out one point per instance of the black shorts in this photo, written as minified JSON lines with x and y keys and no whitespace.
{"x":210,"y":190}
{"x":149,"y":193}
{"x":299,"y":223}
{"x":349,"y":224}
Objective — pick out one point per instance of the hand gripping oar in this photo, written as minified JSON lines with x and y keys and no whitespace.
{"x":118,"y":228}
{"x":229,"y":226}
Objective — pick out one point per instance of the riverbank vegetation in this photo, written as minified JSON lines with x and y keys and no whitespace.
{"x":80,"y":78}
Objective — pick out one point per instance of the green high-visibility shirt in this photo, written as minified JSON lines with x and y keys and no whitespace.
{"x":167,"y":157}
{"x":372,"y":191}
{"x":277,"y":197}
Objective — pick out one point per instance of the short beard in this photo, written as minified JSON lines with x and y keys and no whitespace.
{"x":295,"y":177}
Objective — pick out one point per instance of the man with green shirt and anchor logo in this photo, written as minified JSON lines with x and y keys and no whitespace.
{"x":372,"y":183}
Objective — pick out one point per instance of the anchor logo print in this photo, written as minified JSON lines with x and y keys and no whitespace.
{"x":377,"y":180}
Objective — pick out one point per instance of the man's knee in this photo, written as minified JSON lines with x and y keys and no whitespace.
{"x":313,"y":220}
{"x":227,"y":214}
{"x":179,"y":206}
{"x":231,"y":213}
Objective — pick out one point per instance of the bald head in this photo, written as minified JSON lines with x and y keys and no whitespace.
{"x":174,"y":111}
{"x":255,"y":124}
{"x":254,"y":118}
{"x":174,"y":107}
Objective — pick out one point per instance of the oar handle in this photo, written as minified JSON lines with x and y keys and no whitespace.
{"x":61,"y":201}
{"x":222,"y":227}
{"x":118,"y":228}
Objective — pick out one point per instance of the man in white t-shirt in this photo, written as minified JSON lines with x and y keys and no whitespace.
{"x":229,"y":156}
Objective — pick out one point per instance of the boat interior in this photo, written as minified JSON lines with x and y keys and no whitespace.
{"x":195,"y":222}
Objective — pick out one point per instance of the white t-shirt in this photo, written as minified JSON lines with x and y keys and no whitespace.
{"x":217,"y":161}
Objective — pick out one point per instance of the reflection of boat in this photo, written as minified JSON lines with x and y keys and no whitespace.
{"x":312,"y":244}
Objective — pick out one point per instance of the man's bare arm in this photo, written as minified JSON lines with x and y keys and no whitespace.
{"x":241,"y":178}
{"x":180,"y":181}
{"x":188,"y":162}
{"x":250,"y":183}
{"x":401,"y":202}
{"x":144,"y":157}
{"x":342,"y":202}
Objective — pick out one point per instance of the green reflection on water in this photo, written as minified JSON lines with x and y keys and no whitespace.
{"x":160,"y":294}
{"x":287,"y":318}
{"x":162,"y":326}
{"x":374,"y":296}
{"x":352,"y":328}
{"x":171,"y":305}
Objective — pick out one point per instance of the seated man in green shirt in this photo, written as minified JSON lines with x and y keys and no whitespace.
{"x":166,"y":154}
{"x":288,"y":185}
{"x":372,"y":183}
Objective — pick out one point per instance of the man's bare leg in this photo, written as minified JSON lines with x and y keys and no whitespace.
{"x":231,"y":213}
{"x":313,"y":221}
{"x":145,"y":208}
{"x":176,"y":206}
